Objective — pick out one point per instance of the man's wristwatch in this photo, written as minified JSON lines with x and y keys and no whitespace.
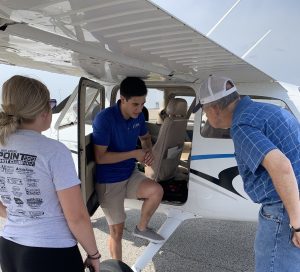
{"x":293,"y":229}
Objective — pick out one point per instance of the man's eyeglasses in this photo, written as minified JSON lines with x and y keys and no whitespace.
{"x":52,"y":103}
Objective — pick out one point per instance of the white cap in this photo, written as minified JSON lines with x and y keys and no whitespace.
{"x":213,"y":89}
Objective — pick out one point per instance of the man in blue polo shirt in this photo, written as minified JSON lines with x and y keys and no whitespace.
{"x":115,"y":134}
{"x":267,"y":148}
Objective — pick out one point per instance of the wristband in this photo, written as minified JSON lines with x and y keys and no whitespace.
{"x":97,"y":252}
{"x":94,"y":256}
{"x":293,"y":229}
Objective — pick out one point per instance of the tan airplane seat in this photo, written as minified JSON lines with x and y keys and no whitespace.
{"x":169,"y":145}
{"x":154,"y":128}
{"x":95,"y":110}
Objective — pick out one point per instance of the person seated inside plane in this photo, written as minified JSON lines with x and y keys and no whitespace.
{"x":115,"y":133}
{"x":146,"y":113}
{"x":161,"y":116}
{"x":146,"y":116}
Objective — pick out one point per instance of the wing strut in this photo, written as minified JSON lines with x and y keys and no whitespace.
{"x":174,"y":219}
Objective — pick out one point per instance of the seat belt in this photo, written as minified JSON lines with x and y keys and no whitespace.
{"x":190,"y":110}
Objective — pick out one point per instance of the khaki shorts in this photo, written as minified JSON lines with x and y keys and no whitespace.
{"x":112,"y":195}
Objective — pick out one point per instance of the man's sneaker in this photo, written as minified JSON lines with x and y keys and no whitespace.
{"x":148,"y":234}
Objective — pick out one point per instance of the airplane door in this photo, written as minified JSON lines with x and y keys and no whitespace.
{"x":91,"y":99}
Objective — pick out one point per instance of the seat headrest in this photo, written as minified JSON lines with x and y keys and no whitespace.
{"x":95,"y":110}
{"x":177,"y":107}
{"x":161,"y":116}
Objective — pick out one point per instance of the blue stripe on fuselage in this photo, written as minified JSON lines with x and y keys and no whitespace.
{"x":211,"y":156}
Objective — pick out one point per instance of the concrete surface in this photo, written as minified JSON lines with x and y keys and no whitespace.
{"x":198,"y":245}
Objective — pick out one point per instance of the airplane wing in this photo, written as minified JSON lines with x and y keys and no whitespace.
{"x":110,"y":39}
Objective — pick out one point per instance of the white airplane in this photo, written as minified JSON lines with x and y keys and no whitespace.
{"x":105,"y":41}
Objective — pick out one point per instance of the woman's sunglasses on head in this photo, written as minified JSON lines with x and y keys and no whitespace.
{"x":52,"y":103}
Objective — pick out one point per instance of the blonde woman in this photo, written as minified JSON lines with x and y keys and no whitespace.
{"x":39,"y":189}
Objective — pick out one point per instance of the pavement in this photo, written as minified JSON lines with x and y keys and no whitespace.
{"x":198,"y":245}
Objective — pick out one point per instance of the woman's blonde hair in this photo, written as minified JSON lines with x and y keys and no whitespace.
{"x":23,"y":98}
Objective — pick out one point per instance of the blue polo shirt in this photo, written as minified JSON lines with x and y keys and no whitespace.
{"x":119,"y":135}
{"x":257,"y":128}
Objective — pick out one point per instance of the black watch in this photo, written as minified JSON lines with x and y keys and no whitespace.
{"x":293,"y":229}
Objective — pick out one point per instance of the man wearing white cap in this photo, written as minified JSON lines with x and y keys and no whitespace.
{"x":267,"y":149}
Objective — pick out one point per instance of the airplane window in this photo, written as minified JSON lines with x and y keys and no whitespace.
{"x":207,"y":131}
{"x":92,"y":105}
{"x":154,"y":102}
{"x":273,"y":101}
